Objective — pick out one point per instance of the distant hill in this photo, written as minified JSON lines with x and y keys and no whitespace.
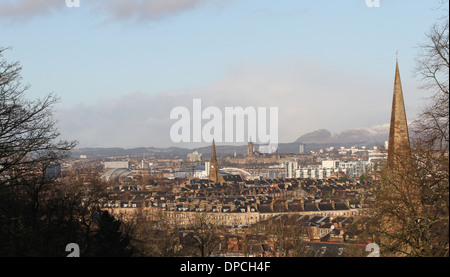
{"x":313,"y":141}
{"x":355,"y":137}
{"x":317,"y":136}
{"x":99,"y":152}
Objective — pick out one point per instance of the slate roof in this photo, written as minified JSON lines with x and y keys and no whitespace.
{"x":280,"y":208}
{"x":295,"y":208}
{"x":341,"y":206}
{"x":311,"y":207}
{"x":264,"y":209}
{"x":326,"y":207}
{"x":226,"y":209}
{"x":232,"y":178}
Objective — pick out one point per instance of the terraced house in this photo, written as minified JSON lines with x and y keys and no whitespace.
{"x":235,"y":204}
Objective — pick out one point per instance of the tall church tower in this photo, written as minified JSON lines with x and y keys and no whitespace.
{"x":214,"y":165}
{"x":251,"y":149}
{"x":398,"y":146}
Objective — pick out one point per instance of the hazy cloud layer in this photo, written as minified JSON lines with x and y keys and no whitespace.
{"x":141,"y":10}
{"x":308,"y":98}
{"x":147,"y":10}
{"x":22,"y":9}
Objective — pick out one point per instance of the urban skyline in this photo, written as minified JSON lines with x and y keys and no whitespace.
{"x":224,"y":128}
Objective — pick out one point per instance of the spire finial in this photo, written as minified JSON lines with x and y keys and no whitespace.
{"x":396,"y":54}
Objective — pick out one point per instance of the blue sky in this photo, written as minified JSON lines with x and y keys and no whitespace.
{"x":114,"y":63}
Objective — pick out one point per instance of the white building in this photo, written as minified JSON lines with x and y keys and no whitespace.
{"x":377,"y":156}
{"x":353,"y":169}
{"x":291,"y":169}
{"x":117,"y":164}
{"x":194,"y":157}
{"x":376,"y":159}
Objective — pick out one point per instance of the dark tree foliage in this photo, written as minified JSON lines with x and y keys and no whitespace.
{"x":39,"y":213}
{"x":109,"y":240}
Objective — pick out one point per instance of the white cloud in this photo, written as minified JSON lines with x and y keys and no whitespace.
{"x":141,"y":10}
{"x":27,"y":8}
{"x":308,"y":97}
{"x":146,"y":10}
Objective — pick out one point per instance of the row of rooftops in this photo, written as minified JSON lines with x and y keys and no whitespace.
{"x":286,"y":184}
{"x":237,"y":207}
{"x":262,"y":196}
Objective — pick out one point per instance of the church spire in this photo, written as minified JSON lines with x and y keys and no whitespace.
{"x":213,"y":151}
{"x":398,"y":133}
{"x":214,"y":165}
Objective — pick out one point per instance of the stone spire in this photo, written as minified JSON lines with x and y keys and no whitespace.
{"x":251,"y":148}
{"x":214,"y":165}
{"x":398,"y":134}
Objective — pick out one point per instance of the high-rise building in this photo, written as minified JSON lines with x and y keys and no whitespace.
{"x":398,"y":145}
{"x":301,"y":149}
{"x":291,"y":169}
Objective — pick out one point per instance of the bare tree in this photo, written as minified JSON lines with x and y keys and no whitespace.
{"x":433,"y":69}
{"x":409,"y":214}
{"x":207,"y":234}
{"x":32,"y":205}
{"x":153,"y":236}
{"x":284,"y":235}
{"x":28,"y":135}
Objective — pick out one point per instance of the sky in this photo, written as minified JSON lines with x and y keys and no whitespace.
{"x":120,"y":66}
